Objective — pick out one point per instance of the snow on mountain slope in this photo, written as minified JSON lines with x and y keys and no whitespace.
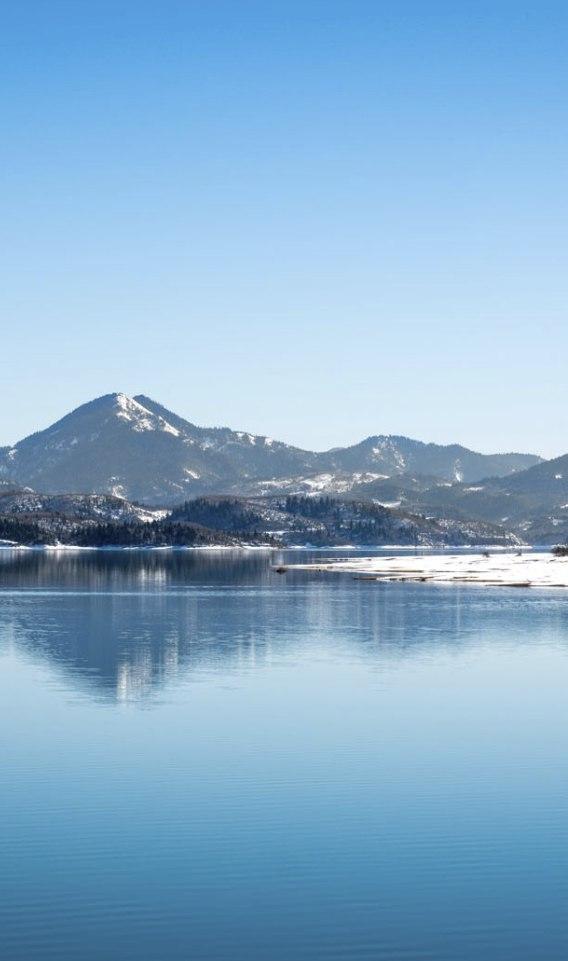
{"x":137,"y":449}
{"x":245,"y":455}
{"x":391,"y":455}
{"x":532,"y":503}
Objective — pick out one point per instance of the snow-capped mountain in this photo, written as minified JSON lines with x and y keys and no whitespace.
{"x":394,"y":455}
{"x":135,"y":448}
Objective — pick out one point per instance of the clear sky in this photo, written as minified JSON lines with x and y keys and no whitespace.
{"x":313,"y":220}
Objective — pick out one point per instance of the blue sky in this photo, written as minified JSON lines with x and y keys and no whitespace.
{"x":317,"y":221}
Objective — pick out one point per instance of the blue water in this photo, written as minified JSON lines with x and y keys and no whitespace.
{"x":201,"y":759}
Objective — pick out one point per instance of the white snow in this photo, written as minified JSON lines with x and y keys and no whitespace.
{"x":386,"y":444}
{"x":317,"y":483}
{"x":499,"y":570}
{"x":367,"y":477}
{"x":140,"y":418}
{"x":168,"y":429}
{"x":147,"y":516}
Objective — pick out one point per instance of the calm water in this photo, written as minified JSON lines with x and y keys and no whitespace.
{"x":200,"y":759}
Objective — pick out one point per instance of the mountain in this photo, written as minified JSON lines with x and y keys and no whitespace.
{"x":381,"y":457}
{"x":533,"y":503}
{"x":400,"y":455}
{"x":136,"y":448}
{"x":119,"y":445}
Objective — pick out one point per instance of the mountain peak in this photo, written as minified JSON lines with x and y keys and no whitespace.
{"x":115,"y":401}
{"x":105,"y":400}
{"x":133,"y":412}
{"x":135,"y":447}
{"x":124,"y":408}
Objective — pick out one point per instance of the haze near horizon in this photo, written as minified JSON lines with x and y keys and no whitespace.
{"x":316,"y":222}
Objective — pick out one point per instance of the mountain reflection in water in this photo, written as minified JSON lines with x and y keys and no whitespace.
{"x":122,"y":624}
{"x":201,"y":758}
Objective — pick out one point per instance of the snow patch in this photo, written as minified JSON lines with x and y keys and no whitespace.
{"x":141,"y":419}
{"x":521,"y":569}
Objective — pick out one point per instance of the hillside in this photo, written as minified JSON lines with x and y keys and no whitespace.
{"x":532,"y":504}
{"x":137,"y":449}
{"x":321,"y":521}
{"x":92,"y":520}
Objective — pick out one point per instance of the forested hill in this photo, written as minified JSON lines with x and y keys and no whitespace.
{"x":230,"y":521}
{"x":298,"y":520}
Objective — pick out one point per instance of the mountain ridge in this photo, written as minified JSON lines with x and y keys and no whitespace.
{"x":135,"y":447}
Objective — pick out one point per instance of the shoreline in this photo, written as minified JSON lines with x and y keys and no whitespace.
{"x":52,"y":548}
{"x":353,"y":548}
{"x":529,"y":569}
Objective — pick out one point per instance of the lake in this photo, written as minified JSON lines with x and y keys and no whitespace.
{"x":203,"y":759}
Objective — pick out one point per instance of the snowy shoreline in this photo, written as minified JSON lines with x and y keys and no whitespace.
{"x":121,"y":548}
{"x":422,"y":549}
{"x":504,"y":570}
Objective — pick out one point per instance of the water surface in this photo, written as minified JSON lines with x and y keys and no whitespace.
{"x":201,"y":759}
